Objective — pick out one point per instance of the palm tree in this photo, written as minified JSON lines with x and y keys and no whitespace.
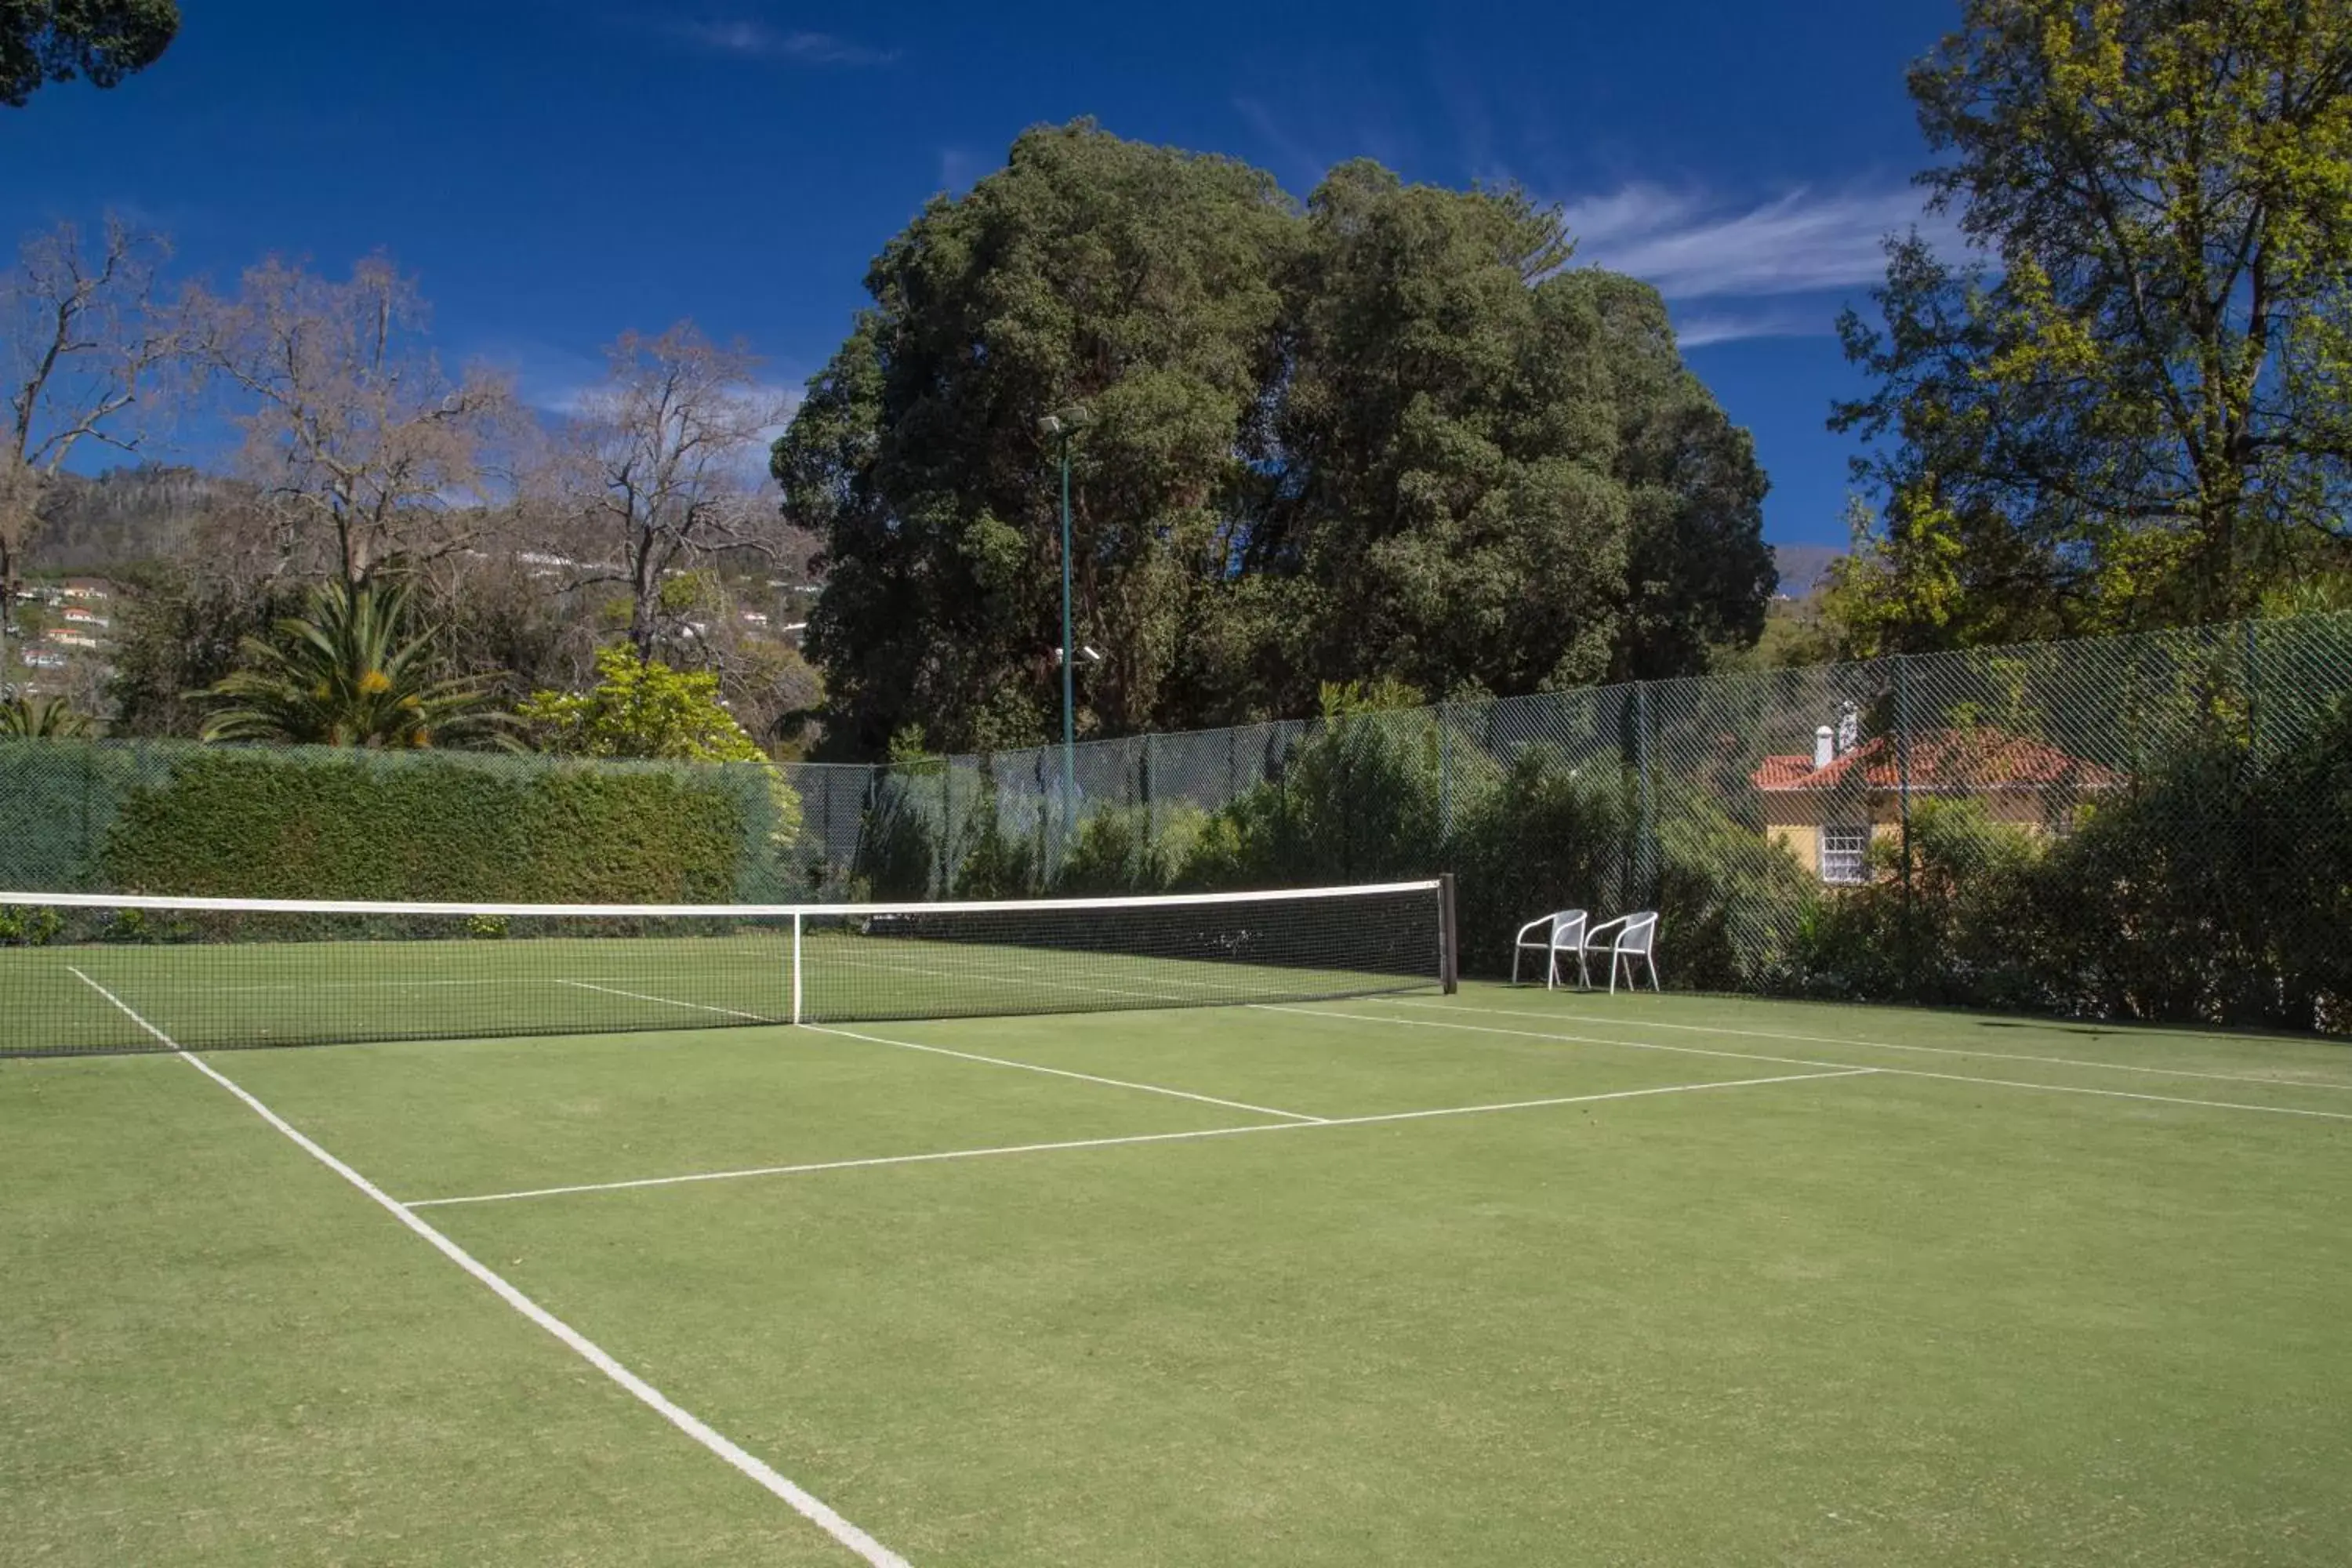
{"x":41,"y":719}
{"x":342,"y":676}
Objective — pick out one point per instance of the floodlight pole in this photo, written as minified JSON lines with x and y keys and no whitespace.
{"x":1059,"y":428}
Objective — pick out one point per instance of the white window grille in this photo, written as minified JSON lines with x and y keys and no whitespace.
{"x":1845,"y":854}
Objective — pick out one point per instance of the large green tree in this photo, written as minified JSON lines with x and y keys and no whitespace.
{"x":1139,"y":281}
{"x":57,"y":40}
{"x":2128,"y":407}
{"x":1495,"y":470}
{"x":1442,"y":446}
{"x":1383,"y":435}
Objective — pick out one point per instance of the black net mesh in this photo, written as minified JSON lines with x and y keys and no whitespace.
{"x":954,"y":960}
{"x":149,"y":974}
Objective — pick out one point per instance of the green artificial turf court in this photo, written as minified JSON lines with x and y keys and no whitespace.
{"x":1507,"y":1276}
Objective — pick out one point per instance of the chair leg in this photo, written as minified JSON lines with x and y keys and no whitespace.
{"x":1652,"y":961}
{"x":1516,"y":950}
{"x":1613,"y":973}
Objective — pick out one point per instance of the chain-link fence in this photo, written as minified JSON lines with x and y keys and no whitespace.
{"x":2153,"y":827}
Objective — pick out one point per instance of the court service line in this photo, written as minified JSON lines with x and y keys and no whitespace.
{"x":1298,"y":1116}
{"x":674,"y":1002}
{"x":1131,"y":1138}
{"x":803,"y":1503}
{"x":1006,"y":980}
{"x":966,"y":1056}
{"x":1758,"y":1057}
{"x":1887,"y":1045}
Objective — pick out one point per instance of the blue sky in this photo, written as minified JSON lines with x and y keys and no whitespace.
{"x":558,"y":170}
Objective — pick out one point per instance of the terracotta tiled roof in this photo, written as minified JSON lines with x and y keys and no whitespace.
{"x":1953,"y":762}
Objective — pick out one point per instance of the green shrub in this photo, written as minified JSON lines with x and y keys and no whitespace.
{"x":1360,"y":800}
{"x":2217,"y":889}
{"x":22,"y":927}
{"x":1132,"y":849}
{"x":995,"y":860}
{"x":894,"y":854}
{"x":1730,"y":902}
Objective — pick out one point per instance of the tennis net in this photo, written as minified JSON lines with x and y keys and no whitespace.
{"x":83,"y":973}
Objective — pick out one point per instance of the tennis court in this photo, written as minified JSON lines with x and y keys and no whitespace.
{"x":1501,"y":1276}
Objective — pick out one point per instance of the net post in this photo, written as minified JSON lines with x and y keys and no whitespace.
{"x":796,"y":966}
{"x":1449,"y":947}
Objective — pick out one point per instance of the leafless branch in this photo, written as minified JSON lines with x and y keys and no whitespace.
{"x":662,"y":465}
{"x":366,"y":448}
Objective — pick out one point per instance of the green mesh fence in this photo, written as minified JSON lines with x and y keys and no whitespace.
{"x":2154,"y":826}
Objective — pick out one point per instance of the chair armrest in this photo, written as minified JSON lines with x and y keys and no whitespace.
{"x":1593,"y":930}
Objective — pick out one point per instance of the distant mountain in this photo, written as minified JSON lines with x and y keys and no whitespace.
{"x":126,"y":516}
{"x":1803,"y":567}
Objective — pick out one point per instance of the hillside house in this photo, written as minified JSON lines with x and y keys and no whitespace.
{"x":1829,"y":808}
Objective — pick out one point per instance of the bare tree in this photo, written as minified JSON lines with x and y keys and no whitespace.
{"x":83,"y":345}
{"x":663,"y":462}
{"x":359,"y":443}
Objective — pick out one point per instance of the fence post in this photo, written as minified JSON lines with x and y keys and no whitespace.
{"x":947,"y":827}
{"x":1645,"y":845}
{"x":1446,"y":773}
{"x":1046,"y":857}
{"x":1147,"y":782}
{"x":2254,"y":698}
{"x":1903,"y":788}
{"x":89,"y":850}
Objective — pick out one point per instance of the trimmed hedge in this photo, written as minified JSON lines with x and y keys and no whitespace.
{"x":58,"y":799}
{"x":258,"y":824}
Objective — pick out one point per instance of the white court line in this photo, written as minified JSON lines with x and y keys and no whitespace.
{"x":965,"y":1056}
{"x":808,"y":1506}
{"x":1004,"y":980}
{"x":1803,"y":1061}
{"x":1299,"y":1116}
{"x":1132,"y":1138}
{"x":508,"y":981}
{"x":970,"y":1056}
{"x":1213,"y":992}
{"x":1889,"y":1046}
{"x":674,"y":1002}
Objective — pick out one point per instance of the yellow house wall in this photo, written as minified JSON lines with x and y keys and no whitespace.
{"x":1794,"y":818}
{"x":1803,"y":841}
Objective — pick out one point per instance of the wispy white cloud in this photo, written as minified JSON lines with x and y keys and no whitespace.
{"x":1698,"y":330}
{"x":1694,"y":247}
{"x":1301,"y":158}
{"x":547,"y":378}
{"x":1296,"y":161}
{"x":759,"y":41}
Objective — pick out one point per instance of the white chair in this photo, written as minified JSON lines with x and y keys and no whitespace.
{"x":1561,"y":933}
{"x":1629,"y":937}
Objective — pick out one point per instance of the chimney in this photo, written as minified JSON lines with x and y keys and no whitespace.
{"x":1824,"y":747}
